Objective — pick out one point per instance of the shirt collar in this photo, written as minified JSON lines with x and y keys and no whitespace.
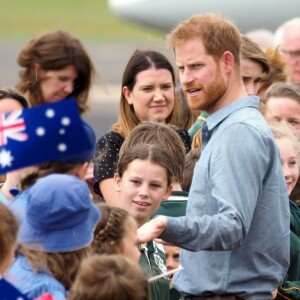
{"x":217,"y":117}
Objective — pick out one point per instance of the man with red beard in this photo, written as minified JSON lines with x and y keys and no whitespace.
{"x":235,"y":235}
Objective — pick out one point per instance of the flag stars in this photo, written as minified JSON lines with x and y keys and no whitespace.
{"x":40,"y":131}
{"x":50,"y":113}
{"x":62,"y":147}
{"x":65,"y":121}
{"x":5,"y":158}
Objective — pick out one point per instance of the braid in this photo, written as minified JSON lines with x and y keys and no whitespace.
{"x":109,"y":232}
{"x":105,"y":233}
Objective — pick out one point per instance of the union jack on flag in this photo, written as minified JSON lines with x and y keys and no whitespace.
{"x":11,"y":126}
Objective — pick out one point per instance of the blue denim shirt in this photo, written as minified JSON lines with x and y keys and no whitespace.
{"x":236,"y":230}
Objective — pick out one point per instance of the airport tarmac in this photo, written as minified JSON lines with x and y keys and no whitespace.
{"x":109,"y":59}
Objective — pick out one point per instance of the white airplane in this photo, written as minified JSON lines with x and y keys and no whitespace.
{"x":247,"y":15}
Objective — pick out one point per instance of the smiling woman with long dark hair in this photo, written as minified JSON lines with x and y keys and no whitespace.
{"x":148,"y":93}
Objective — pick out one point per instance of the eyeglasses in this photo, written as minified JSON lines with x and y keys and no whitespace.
{"x":291,"y":53}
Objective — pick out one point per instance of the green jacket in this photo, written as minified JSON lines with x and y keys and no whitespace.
{"x":290,"y":288}
{"x":175,"y":206}
{"x":153,"y":262}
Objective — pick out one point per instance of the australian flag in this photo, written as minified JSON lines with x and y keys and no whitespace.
{"x":44,"y":133}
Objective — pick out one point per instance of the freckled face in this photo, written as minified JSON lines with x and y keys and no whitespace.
{"x":153,"y":95}
{"x":142,"y":188}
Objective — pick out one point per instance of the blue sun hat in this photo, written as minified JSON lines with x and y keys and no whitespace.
{"x":60,"y":215}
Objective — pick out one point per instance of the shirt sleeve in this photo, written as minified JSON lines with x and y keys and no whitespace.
{"x":234,"y":171}
{"x":106,"y":158}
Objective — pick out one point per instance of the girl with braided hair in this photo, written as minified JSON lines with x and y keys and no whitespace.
{"x":116,"y":233}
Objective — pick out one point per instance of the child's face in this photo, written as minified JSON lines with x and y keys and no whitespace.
{"x":129,"y":241}
{"x":288,"y":162}
{"x":252,"y":74}
{"x":172,"y":259}
{"x":284,"y":110}
{"x":142,"y":187}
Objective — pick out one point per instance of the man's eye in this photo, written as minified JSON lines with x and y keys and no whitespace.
{"x":196,"y":66}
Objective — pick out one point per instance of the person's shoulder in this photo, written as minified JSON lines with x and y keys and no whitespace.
{"x":111,"y":137}
{"x":250,"y":120}
{"x":27,"y":280}
{"x":182,"y":132}
{"x":295,"y":218}
{"x":36,"y":283}
{"x":175,"y":206}
{"x":185,"y":137}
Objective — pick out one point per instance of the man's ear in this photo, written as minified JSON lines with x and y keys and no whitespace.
{"x":168,"y":192}
{"x":127,"y":94}
{"x":117,"y":183}
{"x":228,"y":61}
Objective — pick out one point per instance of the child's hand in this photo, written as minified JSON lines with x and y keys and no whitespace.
{"x":152,"y":229}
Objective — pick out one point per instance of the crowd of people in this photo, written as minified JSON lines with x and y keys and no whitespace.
{"x":176,"y":201}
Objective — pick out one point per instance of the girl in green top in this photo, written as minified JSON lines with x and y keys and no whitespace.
{"x":288,"y":146}
{"x":143,"y":180}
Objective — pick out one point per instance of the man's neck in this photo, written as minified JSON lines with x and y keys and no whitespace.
{"x":234,"y":92}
